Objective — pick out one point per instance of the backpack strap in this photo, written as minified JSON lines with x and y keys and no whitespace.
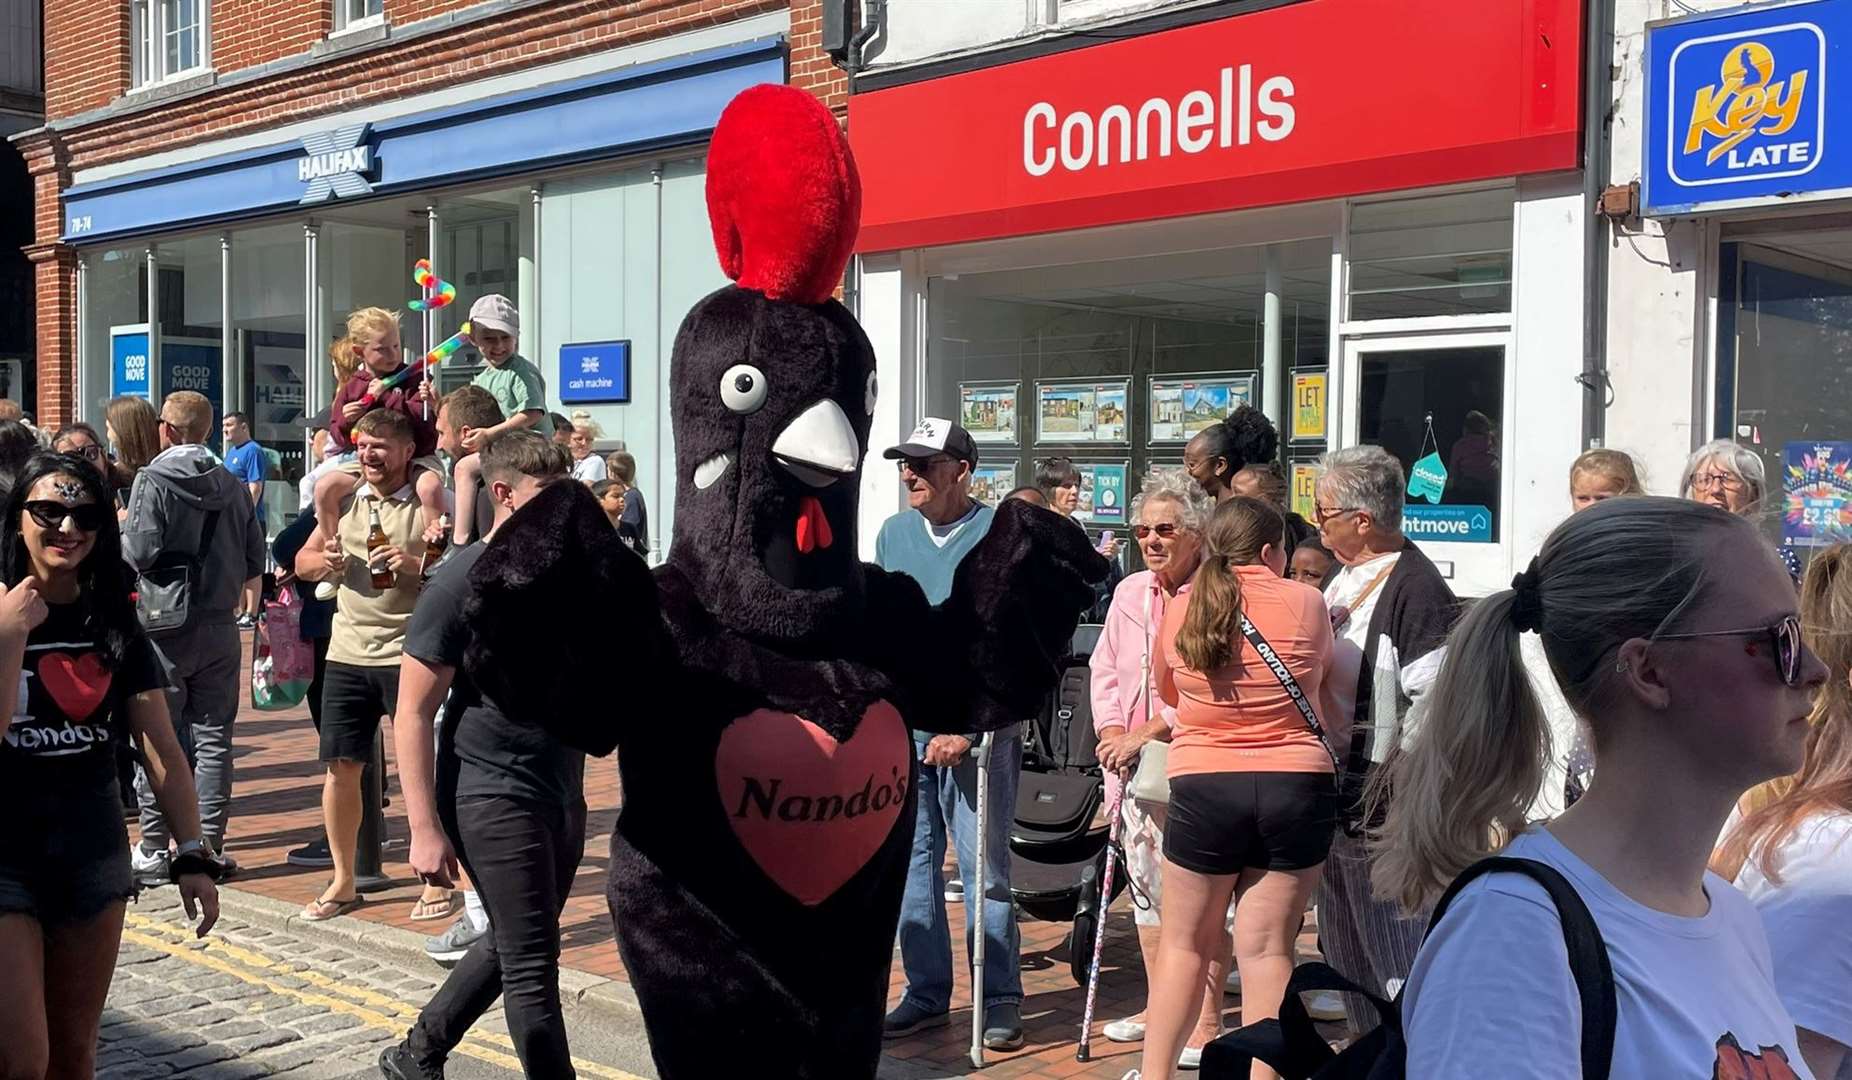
{"x":1588,"y":953}
{"x":197,"y":563}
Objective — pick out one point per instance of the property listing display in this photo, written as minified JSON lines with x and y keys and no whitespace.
{"x":1182,"y":406}
{"x":1081,"y":412}
{"x":1103,"y":492}
{"x":990,"y":483}
{"x":988,"y":411}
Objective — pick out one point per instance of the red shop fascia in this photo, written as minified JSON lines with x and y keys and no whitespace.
{"x":1314,"y":100}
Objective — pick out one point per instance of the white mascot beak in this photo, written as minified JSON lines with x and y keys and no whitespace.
{"x":819,"y":447}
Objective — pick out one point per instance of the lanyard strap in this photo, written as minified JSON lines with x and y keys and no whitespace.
{"x":1278,"y":667}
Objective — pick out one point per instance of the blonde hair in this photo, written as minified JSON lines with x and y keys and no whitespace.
{"x":1238,"y":530}
{"x":1622,"y":569}
{"x":583,"y":423}
{"x":1773,"y":811}
{"x":364,"y":325}
{"x":192,"y":414}
{"x":1610,"y":465}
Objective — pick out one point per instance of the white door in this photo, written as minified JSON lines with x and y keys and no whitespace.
{"x":1440,"y":403}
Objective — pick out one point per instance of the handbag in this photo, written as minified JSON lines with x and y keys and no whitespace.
{"x":164,"y":593}
{"x":1151,"y":780}
{"x":282,"y":664}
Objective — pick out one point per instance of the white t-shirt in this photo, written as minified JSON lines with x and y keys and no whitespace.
{"x":1809,"y":922}
{"x":1491,"y":994}
{"x":589,"y":469}
{"x":1348,"y":640}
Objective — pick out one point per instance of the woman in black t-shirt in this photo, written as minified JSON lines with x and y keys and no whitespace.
{"x":82,"y":676}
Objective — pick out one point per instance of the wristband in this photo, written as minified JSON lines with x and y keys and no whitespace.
{"x":197,"y":863}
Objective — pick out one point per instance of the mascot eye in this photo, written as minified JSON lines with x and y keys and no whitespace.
{"x":869,"y":404}
{"x":743,"y":388}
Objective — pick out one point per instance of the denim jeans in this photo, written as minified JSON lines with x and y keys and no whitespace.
{"x":204,"y":663}
{"x":950,"y":795}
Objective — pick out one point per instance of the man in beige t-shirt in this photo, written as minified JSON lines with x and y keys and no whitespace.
{"x":362,"y":681}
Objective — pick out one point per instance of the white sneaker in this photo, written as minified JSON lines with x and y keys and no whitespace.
{"x":151,"y":868}
{"x":1126,"y":1030}
{"x":1325,"y":1005}
{"x":327,"y":590}
{"x":1232,"y":984}
{"x":1133,"y":1075}
{"x":954,"y":891}
{"x":1190,"y":1058}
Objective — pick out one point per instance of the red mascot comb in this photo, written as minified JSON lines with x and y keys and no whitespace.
{"x":782,"y":194}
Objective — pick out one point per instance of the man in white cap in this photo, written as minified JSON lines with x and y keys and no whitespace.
{"x":926,"y":542}
{"x":515,"y":380}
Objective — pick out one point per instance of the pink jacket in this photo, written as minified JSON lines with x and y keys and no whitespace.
{"x":1127,"y":648}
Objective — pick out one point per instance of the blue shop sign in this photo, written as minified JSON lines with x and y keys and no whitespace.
{"x":1448,"y":524}
{"x":657,"y":105}
{"x":128,"y":361}
{"x":594,"y":371}
{"x":1738,"y":110}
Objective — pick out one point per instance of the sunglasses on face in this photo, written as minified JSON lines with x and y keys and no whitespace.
{"x":1165,"y":530}
{"x":1784,"y":640}
{"x":50,"y":514}
{"x":919,"y":466}
{"x":1322,"y":514}
{"x":91,"y":451}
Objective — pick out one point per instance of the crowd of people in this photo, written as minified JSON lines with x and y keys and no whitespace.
{"x":1293,"y":717}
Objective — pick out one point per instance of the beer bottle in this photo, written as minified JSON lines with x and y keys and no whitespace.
{"x":377,"y":539}
{"x":434,"y":551}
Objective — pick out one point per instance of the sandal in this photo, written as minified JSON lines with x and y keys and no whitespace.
{"x":321,"y":910}
{"x":430,"y":910}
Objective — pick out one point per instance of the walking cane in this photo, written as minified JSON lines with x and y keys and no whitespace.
{"x":1099,"y":930}
{"x":977,"y":912}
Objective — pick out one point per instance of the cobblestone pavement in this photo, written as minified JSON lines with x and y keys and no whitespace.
{"x":254,"y":1002}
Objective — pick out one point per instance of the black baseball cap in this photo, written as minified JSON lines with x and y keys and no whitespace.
{"x":935,"y":435}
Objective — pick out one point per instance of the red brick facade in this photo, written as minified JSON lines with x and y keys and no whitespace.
{"x":87,"y":68}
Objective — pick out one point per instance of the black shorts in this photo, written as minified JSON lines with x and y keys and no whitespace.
{"x":353,"y":700}
{"x":69,"y":869}
{"x":1224,"y":823}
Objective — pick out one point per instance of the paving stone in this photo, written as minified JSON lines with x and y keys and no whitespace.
{"x":262,"y":1040}
{"x":230,"y":1070}
{"x":187,"y":1060}
{"x":136,"y":1070}
{"x":238,"y":991}
{"x":168,"y":1005}
{"x":232,"y":1029}
{"x":327,"y":1022}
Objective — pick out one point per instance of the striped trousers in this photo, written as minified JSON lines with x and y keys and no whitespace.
{"x":1367,"y":940}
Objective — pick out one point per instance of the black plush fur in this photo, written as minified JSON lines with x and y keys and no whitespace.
{"x":736,"y":976}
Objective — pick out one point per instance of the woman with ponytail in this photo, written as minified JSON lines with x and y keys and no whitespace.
{"x":1672,"y":631}
{"x":1795,"y":850}
{"x":1242,"y":658}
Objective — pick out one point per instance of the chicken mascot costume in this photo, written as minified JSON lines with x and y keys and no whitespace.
{"x":769,"y":677}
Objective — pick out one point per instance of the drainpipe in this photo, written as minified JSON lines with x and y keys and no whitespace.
{"x":874,"y":17}
{"x":1597,"y":99}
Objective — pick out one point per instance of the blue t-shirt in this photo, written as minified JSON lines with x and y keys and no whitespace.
{"x":250,"y":465}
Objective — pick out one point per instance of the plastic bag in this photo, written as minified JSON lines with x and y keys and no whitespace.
{"x":282,"y":664}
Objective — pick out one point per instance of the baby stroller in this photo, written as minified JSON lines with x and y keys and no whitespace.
{"x":1058,"y":847}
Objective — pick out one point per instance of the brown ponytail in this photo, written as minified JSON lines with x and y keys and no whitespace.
{"x":1237,"y":531}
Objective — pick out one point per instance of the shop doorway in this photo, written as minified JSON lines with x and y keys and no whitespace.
{"x":1439,"y":403}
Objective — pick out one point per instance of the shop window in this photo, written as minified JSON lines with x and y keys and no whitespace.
{"x":115,"y":327}
{"x":1786,"y":380}
{"x":170,"y":39}
{"x":1432,"y":256}
{"x":358,"y":14}
{"x":268,"y":297}
{"x":192,"y":317}
{"x":1116,"y":365}
{"x":1440,"y":411}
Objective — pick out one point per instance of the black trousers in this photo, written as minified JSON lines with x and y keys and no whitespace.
{"x":315,"y":684}
{"x":522,"y":855}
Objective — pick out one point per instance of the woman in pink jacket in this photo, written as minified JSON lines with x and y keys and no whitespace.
{"x":1168,"y":518}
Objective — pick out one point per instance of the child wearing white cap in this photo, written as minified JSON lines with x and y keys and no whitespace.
{"x":513,"y":379}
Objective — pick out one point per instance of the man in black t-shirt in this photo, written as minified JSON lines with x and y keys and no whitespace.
{"x":505,"y":799}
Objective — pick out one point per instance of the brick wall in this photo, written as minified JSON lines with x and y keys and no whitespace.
{"x":811,"y":67}
{"x":246,"y":33}
{"x":86,"y":54}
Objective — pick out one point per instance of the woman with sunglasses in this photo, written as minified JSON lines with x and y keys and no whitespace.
{"x":1792,"y":853}
{"x":1671,"y":629}
{"x":83,"y":677}
{"x":81,"y":440}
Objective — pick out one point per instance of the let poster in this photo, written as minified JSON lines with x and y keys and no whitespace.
{"x":1816,"y":480}
{"x":1102,"y":493}
{"x":1309,"y":405}
{"x":1305,"y":484}
{"x":990,"y":483}
{"x":1081,"y":412}
{"x":988,"y":412}
{"x":1181,"y":407}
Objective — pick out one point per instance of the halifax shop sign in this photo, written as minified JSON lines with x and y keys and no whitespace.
{"x":1747,"y":107}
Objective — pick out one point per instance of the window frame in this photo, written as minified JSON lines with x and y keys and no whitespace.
{"x":148,"y":44}
{"x":345,"y":23}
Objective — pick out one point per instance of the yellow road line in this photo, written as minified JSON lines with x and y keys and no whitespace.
{"x":371,"y":1007}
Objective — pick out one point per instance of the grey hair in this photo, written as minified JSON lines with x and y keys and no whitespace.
{"x":1620,"y":570}
{"x":1739,"y":459}
{"x":1174,"y":485}
{"x":1367,"y":478}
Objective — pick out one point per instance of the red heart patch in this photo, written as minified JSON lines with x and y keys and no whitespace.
{"x":809,"y":810}
{"x":77,"y":685}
